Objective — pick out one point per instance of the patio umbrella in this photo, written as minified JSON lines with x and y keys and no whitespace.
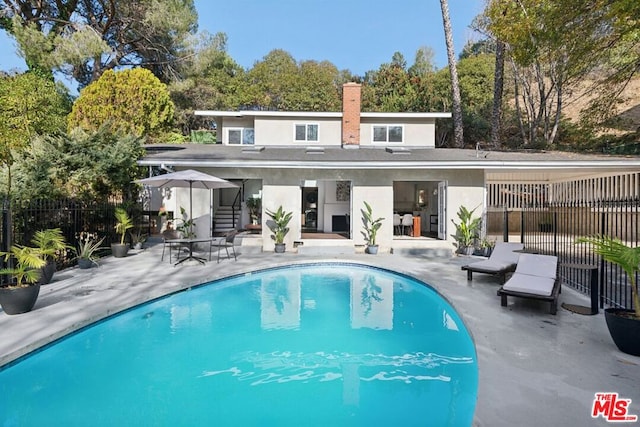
{"x":187,"y":178}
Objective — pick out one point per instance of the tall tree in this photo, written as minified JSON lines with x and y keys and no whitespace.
{"x":30,"y":104}
{"x":389,"y":88}
{"x":209,"y":79}
{"x":498,"y":90}
{"x":86,"y":165}
{"x":278,"y":82}
{"x":134,"y":101}
{"x":82,"y":39}
{"x":458,"y":133}
{"x":423,"y":63}
{"x":552,"y":45}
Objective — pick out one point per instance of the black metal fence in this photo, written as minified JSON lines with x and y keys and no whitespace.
{"x":554,"y":229}
{"x":70,"y":215}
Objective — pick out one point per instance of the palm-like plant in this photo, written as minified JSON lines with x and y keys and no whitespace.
{"x":467,"y":230}
{"x":123,"y":223}
{"x":280,"y":225}
{"x":28,"y":262}
{"x":614,"y":251}
{"x":371,"y":226}
{"x":49,"y":242}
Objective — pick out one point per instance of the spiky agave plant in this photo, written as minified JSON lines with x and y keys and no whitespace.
{"x":614,"y":251}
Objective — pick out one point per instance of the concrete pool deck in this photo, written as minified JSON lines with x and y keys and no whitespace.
{"x":535,"y":369}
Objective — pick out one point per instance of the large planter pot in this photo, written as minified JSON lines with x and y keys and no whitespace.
{"x":47,"y":272}
{"x":466,"y":250}
{"x":19,"y":300}
{"x":119,"y":250}
{"x":280,"y":248}
{"x":371,"y":249}
{"x":624,"y":330}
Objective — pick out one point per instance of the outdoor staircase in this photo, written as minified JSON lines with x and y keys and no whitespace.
{"x":224,"y":219}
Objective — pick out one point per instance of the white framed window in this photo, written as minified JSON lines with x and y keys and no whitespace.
{"x":244,"y":136}
{"x":306,"y":132}
{"x":387,"y":133}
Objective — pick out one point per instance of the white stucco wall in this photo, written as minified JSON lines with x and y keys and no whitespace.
{"x":283,"y":187}
{"x":280,"y":131}
{"x":290,"y":198}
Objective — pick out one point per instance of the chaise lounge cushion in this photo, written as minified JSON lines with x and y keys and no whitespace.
{"x":503,"y":259}
{"x":536,"y":277}
{"x":535,"y":274}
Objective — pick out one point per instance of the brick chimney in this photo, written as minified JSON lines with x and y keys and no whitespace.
{"x":351,"y":114}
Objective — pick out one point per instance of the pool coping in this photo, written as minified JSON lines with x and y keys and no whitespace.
{"x":543,"y":369}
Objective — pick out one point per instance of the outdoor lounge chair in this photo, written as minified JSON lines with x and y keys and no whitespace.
{"x":503,"y":260}
{"x":226,"y":242}
{"x":536,"y":277}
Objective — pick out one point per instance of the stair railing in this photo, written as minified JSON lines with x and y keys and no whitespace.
{"x":236,"y":205}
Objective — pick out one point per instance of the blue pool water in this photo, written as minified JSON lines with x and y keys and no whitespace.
{"x":325,"y":344}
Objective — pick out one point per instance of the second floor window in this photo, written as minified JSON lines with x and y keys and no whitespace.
{"x":387,"y":133}
{"x":306,"y":132}
{"x":241,"y":136}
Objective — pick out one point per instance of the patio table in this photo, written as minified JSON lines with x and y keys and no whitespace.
{"x":190,"y":242}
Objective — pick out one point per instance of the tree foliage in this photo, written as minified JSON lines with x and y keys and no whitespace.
{"x":551,"y":45}
{"x":84,"y":38}
{"x":30,"y":105}
{"x":279,"y":82}
{"x":134,"y":101}
{"x":86,"y":165}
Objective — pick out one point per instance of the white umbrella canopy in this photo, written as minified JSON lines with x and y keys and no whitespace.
{"x":188,"y":179}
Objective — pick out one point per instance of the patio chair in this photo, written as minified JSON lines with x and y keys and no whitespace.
{"x":536,"y":277}
{"x":397,"y":223}
{"x":407,"y":221}
{"x":503,"y":260}
{"x":226,"y":242}
{"x":168,"y":235}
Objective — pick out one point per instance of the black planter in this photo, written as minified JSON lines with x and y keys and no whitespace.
{"x":47,"y":272}
{"x":280,"y":248}
{"x":119,"y":250}
{"x":84,"y":263}
{"x":19,"y":300}
{"x":624,"y":330}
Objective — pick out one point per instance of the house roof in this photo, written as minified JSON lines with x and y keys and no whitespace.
{"x":334,"y":157}
{"x":315,"y":114}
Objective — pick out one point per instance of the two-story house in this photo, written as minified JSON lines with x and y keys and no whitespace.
{"x":323,"y":166}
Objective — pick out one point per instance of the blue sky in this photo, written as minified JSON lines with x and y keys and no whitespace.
{"x":358,"y":35}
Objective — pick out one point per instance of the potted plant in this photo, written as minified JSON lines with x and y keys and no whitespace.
{"x":371,"y":227}
{"x":186,"y":225}
{"x":254,"y":204}
{"x":466,"y":230}
{"x":486,"y":246}
{"x":50,"y":243}
{"x":279,"y":226}
{"x":123,"y":224}
{"x":138,"y":238}
{"x":88,"y":245}
{"x":20,"y":294}
{"x":623,"y":324}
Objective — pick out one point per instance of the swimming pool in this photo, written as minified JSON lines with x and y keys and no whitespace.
{"x":318,"y":344}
